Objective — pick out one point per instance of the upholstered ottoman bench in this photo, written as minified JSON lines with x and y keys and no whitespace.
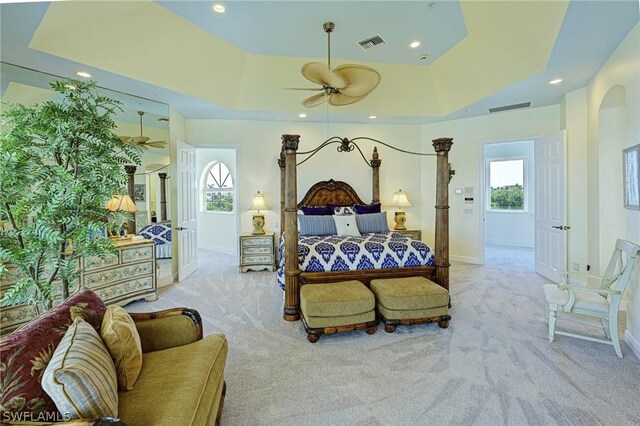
{"x":337,"y":308}
{"x":412,"y":300}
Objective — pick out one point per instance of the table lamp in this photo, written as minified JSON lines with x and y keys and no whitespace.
{"x":399,"y":201}
{"x":258,"y":218}
{"x":121,"y":203}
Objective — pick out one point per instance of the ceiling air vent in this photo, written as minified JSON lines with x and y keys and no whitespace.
{"x":510,"y":107}
{"x":371,"y":42}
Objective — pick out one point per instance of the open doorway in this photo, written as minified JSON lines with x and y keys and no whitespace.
{"x":218,"y":204}
{"x":508,"y":204}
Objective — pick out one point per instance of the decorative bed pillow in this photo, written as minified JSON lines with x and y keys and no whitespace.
{"x":367,"y":208}
{"x":25,"y":353}
{"x":316,"y":225}
{"x":373,"y":223}
{"x":346,"y":225}
{"x":120,"y":336}
{"x":316,"y":210}
{"x":342,"y":210}
{"x":81,"y":377}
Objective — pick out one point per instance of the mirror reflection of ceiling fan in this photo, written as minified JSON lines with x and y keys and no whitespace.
{"x":142,"y":141}
{"x":342,"y":85}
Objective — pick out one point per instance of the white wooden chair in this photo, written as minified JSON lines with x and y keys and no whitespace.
{"x":602,"y":302}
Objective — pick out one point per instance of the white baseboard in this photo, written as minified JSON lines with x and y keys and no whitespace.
{"x":632,"y":342}
{"x":218,"y":249}
{"x":507,"y":243}
{"x":465,"y":259}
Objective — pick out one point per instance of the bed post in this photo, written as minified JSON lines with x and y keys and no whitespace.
{"x":282,"y":183}
{"x":291,"y":265}
{"x":375,"y":166}
{"x":442,"y":146}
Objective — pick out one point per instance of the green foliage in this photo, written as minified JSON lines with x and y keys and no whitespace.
{"x":509,"y":197}
{"x":61,"y":162}
{"x":219,"y":201}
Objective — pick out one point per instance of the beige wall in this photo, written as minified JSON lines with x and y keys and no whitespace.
{"x":621,"y":69}
{"x":259,"y":144}
{"x":469,"y":137}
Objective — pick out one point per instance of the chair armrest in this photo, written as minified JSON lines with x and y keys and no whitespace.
{"x":167,"y":329}
{"x":589,"y":289}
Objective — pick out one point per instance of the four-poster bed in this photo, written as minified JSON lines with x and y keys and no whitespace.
{"x":340,"y":193}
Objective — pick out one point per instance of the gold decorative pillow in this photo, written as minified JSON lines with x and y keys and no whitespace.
{"x":121,"y":337}
{"x":81,"y":378}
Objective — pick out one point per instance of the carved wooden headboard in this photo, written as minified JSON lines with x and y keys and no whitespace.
{"x":330,"y":192}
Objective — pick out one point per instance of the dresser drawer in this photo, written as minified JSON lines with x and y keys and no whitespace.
{"x":93,"y":263}
{"x":257,"y":241}
{"x":100,"y":279}
{"x":257,"y":250}
{"x":125,"y":289}
{"x":135,"y":254}
{"x":256,"y":259}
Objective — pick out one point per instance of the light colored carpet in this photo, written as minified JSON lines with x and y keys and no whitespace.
{"x":493,"y":365}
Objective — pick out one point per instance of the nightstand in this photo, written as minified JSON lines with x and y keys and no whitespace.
{"x":257,"y":252}
{"x":415,"y":234}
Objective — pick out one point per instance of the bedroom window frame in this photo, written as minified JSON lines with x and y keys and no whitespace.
{"x":525,"y":185}
{"x":205,"y":190}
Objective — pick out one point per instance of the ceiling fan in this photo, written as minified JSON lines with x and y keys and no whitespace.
{"x":342,"y":85}
{"x":142,"y":141}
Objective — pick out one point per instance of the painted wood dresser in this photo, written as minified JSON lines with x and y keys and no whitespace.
{"x":120,"y":278}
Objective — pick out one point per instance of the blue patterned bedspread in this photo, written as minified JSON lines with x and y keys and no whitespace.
{"x":160,"y":233}
{"x":347,"y":253}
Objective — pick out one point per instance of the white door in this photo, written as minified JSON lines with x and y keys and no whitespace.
{"x":187,"y":223}
{"x":551,"y":205}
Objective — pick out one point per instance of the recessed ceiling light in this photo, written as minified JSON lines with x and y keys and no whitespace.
{"x":302,"y":115}
{"x":414,"y":44}
{"x":556,"y":81}
{"x":218,"y":8}
{"x":83,"y":74}
{"x":371,"y":117}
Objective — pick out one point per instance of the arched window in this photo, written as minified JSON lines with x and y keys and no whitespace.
{"x":219,"y":192}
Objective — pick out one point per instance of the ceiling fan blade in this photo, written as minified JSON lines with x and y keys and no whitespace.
{"x":360,"y":80}
{"x":315,"y":100}
{"x":340,"y":99}
{"x":140,"y":139}
{"x":156,"y":144}
{"x":126,"y":139}
{"x":143,"y":146}
{"x":301,"y":88}
{"x":321,"y":74}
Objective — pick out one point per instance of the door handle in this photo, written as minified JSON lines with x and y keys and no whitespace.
{"x":561,"y":227}
{"x":180,"y":228}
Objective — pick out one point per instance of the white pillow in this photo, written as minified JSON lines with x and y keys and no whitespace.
{"x":346,"y":225}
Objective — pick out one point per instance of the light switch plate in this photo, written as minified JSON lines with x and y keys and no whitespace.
{"x":459,"y":191}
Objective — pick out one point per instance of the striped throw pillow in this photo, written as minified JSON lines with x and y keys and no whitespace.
{"x":373,"y":223}
{"x":81,"y":378}
{"x":316,"y":225}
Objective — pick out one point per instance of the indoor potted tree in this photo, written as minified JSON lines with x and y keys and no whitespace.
{"x":61,"y":162}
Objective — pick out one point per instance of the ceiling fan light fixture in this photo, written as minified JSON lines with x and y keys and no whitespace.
{"x":342,"y":85}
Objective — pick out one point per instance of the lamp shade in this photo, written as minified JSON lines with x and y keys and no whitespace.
{"x":400,"y":199}
{"x":122,"y":203}
{"x":258,"y":202}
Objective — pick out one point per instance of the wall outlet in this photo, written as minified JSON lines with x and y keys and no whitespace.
{"x":468,"y":210}
{"x":576,"y":266}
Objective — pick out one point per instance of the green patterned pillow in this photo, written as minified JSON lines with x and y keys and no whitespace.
{"x":81,"y":377}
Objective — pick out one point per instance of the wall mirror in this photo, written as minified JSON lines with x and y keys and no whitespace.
{"x":145,"y":121}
